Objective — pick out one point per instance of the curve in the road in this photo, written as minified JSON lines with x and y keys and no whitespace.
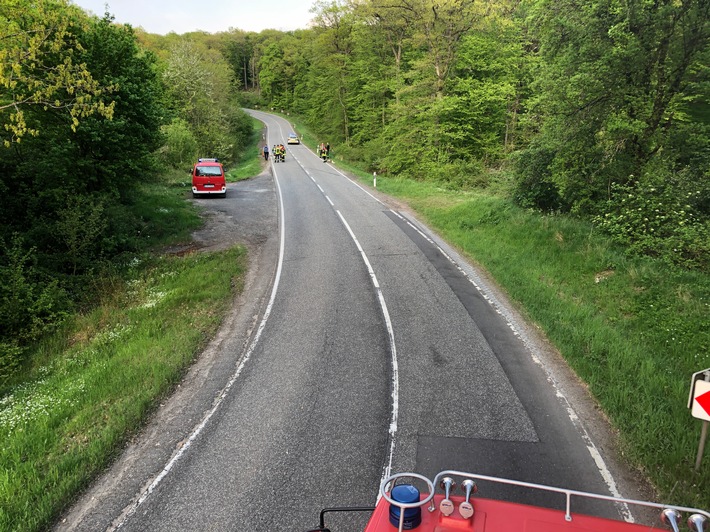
{"x":594,"y":452}
{"x":394,"y":409}
{"x":486,"y":442}
{"x":387,"y":467}
{"x":130,"y":510}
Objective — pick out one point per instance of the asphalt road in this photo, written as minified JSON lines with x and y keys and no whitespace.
{"x":363,"y":346}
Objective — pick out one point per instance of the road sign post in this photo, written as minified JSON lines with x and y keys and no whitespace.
{"x":699,"y":404}
{"x":701,"y":446}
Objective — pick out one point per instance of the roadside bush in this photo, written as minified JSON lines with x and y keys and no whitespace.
{"x":461,"y":175}
{"x":534,"y":185}
{"x":661,"y":220}
{"x":11,"y":356}
{"x":250,"y":99}
{"x":372,"y":154}
{"x":79,"y":228}
{"x":180,"y":147}
{"x":240,"y":131}
{"x":30,"y":304}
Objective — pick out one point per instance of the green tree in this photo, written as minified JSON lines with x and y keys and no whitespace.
{"x":387,"y":19}
{"x":96,"y":157}
{"x":200,"y":83}
{"x":180,"y":147}
{"x":439,"y":26}
{"x":330,"y":68}
{"x":30,"y":303}
{"x":420,"y":136}
{"x":273,"y":79}
{"x":73,"y":185}
{"x":79,"y":226}
{"x":613,"y":83}
{"x":187,"y":79}
{"x":40,"y":66}
{"x":238,"y":49}
{"x":484,"y":93}
{"x":374,"y":83}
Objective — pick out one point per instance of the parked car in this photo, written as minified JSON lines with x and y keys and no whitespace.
{"x":293,"y":139}
{"x":208,"y":178}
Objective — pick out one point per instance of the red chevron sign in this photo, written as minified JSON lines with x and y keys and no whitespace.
{"x":701,"y":400}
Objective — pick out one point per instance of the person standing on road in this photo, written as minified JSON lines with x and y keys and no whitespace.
{"x":266,"y":152}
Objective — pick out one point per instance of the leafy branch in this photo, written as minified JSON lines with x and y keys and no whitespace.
{"x":39,"y":46}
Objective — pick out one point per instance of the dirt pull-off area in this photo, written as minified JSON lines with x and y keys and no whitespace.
{"x":247,"y":216}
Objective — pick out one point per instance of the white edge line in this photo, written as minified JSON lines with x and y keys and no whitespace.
{"x":131,"y":509}
{"x":592,"y":449}
{"x":571,"y":414}
{"x":387,"y":469}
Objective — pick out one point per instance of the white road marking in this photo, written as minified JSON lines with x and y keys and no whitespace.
{"x":131,"y":509}
{"x":603,"y":469}
{"x":387,"y":471}
{"x":394,"y":416}
{"x":592,"y":449}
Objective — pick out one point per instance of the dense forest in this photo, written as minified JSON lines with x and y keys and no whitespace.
{"x":90,"y":118}
{"x":596,"y":109}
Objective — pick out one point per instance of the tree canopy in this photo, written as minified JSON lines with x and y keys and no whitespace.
{"x":40,"y":66}
{"x":574,"y":101}
{"x":597,"y":109}
{"x":88,"y":117}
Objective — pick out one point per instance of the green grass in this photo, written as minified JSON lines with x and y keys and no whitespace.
{"x":90,"y":386}
{"x":169,"y":219}
{"x":249,"y":168}
{"x":634,"y":329}
{"x":252,"y":159}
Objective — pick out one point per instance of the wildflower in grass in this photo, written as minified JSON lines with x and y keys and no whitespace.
{"x":36,"y":401}
{"x":105,"y":338}
{"x":154,"y":298}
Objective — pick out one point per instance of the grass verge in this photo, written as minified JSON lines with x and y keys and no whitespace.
{"x":252,"y":159}
{"x":91,"y":385}
{"x":101,"y":376}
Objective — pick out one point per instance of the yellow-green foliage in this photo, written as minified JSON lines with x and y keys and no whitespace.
{"x":38,"y":43}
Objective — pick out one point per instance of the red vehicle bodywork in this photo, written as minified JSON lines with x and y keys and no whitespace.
{"x":411,"y":509}
{"x":498,"y":516}
{"x":208,"y":178}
